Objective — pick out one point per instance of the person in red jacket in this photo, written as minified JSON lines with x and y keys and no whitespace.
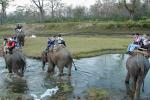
{"x":10,"y":45}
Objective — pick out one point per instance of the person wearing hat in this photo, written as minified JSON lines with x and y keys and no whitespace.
{"x":146,"y":42}
{"x":10,"y":45}
{"x":18,"y":28}
{"x":60,"y":40}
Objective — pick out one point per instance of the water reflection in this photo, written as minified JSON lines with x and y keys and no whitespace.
{"x":17,"y":87}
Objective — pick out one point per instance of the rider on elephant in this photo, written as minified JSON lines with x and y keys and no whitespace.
{"x":50,"y":43}
{"x":17,"y":29}
{"x":11,"y":45}
{"x":61,"y":40}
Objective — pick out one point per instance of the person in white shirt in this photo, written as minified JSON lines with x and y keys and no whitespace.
{"x":146,"y":42}
{"x":61,"y":40}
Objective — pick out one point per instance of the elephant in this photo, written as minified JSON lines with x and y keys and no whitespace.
{"x":15,"y":62}
{"x":20,"y":37}
{"x":62,"y":58}
{"x":137,"y":67}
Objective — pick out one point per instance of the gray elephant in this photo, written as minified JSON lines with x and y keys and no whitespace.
{"x":62,"y":58}
{"x":15,"y":62}
{"x":137,"y":67}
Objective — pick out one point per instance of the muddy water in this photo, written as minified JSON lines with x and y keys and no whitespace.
{"x":105,"y":72}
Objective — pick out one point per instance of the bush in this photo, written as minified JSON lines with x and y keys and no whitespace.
{"x":130,"y":24}
{"x":109,"y":25}
{"x":146,"y":25}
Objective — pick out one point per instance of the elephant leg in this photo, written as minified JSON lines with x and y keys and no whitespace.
{"x":134,"y":84}
{"x":51,"y":68}
{"x":10,"y":70}
{"x":69,"y":69}
{"x":22,"y":43}
{"x":127,"y":83}
{"x":6,"y":66}
{"x":43,"y":65}
{"x":60,"y":70}
{"x":15,"y":69}
{"x":22,"y":71}
{"x":137,"y":89}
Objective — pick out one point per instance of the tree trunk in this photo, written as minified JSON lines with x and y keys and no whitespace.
{"x":131,"y":16}
{"x":1,"y":19}
{"x":3,"y":13}
{"x":41,"y":14}
{"x":52,"y":11}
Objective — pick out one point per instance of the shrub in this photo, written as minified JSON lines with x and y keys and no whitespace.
{"x":130,"y":24}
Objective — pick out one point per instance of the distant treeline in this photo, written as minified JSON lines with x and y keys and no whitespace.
{"x":56,"y":11}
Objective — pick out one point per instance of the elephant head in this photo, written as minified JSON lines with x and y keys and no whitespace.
{"x":137,"y":67}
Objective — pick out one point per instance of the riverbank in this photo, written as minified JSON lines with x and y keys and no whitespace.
{"x":81,"y":28}
{"x":80,"y":46}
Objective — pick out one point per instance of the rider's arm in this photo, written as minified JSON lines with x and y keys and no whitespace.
{"x":13,"y":44}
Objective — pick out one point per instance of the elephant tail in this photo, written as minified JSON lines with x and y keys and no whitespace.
{"x":73,"y":63}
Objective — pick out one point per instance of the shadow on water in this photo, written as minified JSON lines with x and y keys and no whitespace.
{"x":103,"y":72}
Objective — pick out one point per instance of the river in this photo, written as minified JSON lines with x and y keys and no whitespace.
{"x":104,"y":72}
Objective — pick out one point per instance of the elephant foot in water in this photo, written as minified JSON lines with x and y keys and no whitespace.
{"x":51,"y":72}
{"x":10,"y":71}
{"x":69,"y":74}
{"x":21,"y":75}
{"x":61,"y":74}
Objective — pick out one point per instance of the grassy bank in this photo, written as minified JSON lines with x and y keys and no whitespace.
{"x":78,"y":28}
{"x":80,"y":46}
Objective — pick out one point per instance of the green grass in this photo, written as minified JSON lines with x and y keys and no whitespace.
{"x":97,"y":94}
{"x":80,"y":46}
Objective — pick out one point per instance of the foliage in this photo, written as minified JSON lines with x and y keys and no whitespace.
{"x":130,"y":24}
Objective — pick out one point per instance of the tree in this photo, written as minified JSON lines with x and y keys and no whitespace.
{"x":54,"y":4}
{"x":132,"y":7}
{"x":146,"y":8}
{"x":40,"y":5}
{"x":4,"y":4}
{"x":69,"y":12}
{"x":79,"y":12}
{"x":95,"y":9}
